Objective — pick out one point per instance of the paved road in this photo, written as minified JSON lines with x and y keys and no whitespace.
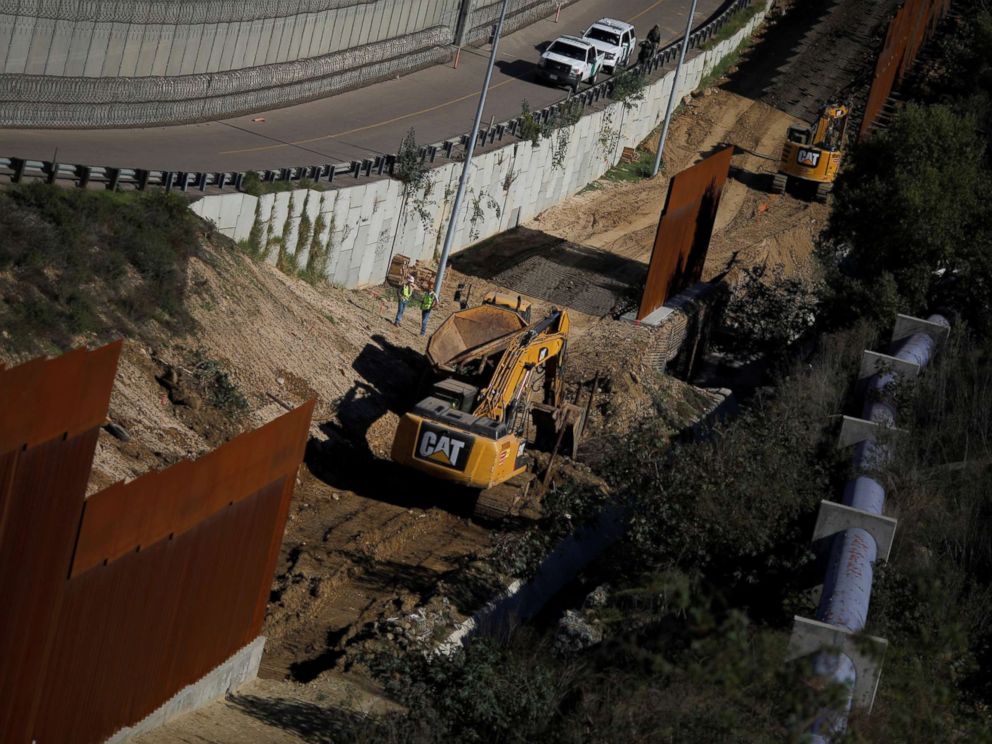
{"x":439,"y":102}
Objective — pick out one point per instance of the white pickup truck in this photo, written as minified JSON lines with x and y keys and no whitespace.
{"x":570,"y":60}
{"x":615,"y":39}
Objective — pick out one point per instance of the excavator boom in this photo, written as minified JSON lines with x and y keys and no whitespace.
{"x":525,"y":350}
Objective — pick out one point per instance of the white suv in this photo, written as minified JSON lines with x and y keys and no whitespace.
{"x":615,"y":39}
{"x":569,"y":60}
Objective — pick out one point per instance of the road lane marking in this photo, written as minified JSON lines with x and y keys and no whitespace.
{"x":366,"y":127}
{"x":650,"y":7}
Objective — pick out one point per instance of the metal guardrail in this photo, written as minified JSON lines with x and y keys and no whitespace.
{"x":19,"y":169}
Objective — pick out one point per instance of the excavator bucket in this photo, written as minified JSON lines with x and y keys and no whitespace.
{"x":467,"y":330}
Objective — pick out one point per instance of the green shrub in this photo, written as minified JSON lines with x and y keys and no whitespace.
{"x":628,"y":88}
{"x":738,"y":503}
{"x":90,"y":263}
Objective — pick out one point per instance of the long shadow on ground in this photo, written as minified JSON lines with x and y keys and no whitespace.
{"x":311,"y":722}
{"x":548,"y":268}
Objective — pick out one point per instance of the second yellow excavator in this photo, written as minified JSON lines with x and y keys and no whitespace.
{"x":501,"y":390}
{"x":814,"y":153}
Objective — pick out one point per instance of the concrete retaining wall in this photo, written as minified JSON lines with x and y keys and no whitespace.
{"x":365,"y":225}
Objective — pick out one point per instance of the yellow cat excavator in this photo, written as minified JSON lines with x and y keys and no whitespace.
{"x":501,"y":390}
{"x":814,"y":153}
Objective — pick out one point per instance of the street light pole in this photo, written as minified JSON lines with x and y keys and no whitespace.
{"x":675,"y":87}
{"x":449,"y":236}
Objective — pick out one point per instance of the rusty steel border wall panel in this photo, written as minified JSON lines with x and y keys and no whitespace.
{"x":913,"y":23}
{"x":50,"y":413}
{"x":126,"y":517}
{"x":171,"y":576}
{"x":177,"y":580}
{"x":684,"y":230}
{"x":46,"y":398}
{"x":138,"y":630}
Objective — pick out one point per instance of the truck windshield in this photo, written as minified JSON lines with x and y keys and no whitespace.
{"x":600,"y":35}
{"x":568,"y":50}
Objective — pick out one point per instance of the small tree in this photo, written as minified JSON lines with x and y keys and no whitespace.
{"x":628,"y":88}
{"x":303,"y":232}
{"x":410,"y":167}
{"x":254,"y":244}
{"x":531,"y":127}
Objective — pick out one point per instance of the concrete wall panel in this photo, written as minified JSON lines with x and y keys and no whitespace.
{"x":282,"y":34}
{"x":58,"y":52}
{"x":7,"y":25}
{"x":42,"y":35}
{"x":230,"y":49}
{"x":305,"y":36}
{"x":190,"y":52}
{"x":111,"y":37}
{"x":131,"y":53}
{"x":146,"y":50}
{"x":159,"y":47}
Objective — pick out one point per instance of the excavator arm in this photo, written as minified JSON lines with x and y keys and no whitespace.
{"x":538,"y":344}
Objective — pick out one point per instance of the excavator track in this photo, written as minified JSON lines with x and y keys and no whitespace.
{"x":508,"y":499}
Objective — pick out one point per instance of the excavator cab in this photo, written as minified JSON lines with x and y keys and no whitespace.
{"x":799,"y":134}
{"x":813,"y":153}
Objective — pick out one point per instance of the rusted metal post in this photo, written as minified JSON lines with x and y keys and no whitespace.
{"x":561,"y":432}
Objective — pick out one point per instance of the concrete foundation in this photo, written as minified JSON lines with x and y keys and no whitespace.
{"x":907,"y":325}
{"x":229,"y":676}
{"x":873,"y":362}
{"x":834,"y":518}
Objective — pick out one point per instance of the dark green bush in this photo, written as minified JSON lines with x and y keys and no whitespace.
{"x":100,"y":264}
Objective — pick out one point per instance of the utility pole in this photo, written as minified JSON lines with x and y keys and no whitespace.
{"x":449,"y":236}
{"x":675,"y":87}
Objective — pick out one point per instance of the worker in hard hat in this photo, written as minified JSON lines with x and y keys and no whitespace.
{"x":427,"y":303}
{"x":403,"y":296}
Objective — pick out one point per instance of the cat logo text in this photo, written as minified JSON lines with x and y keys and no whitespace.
{"x":442,"y":447}
{"x":809,"y":158}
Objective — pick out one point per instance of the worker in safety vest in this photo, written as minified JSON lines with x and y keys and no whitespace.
{"x":427,"y":303}
{"x":403,"y":295}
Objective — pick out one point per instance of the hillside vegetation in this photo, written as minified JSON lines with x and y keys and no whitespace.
{"x":91,"y":265}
